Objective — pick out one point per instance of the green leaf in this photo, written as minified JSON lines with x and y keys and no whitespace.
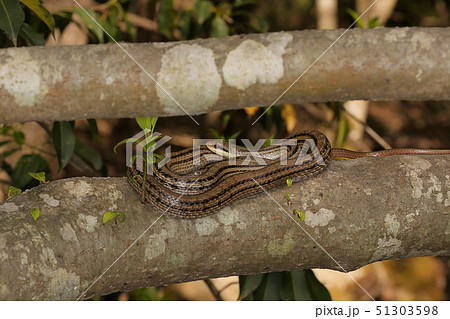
{"x":30,"y":163}
{"x":300,"y":215}
{"x":124,"y":218}
{"x":356,"y":18}
{"x":31,"y":36}
{"x":130,"y":139}
{"x":373,"y":23}
{"x":260,"y":24}
{"x":147,"y":123}
{"x":166,"y":18}
{"x":185,"y":24}
{"x":14,"y":191}
{"x":219,"y":28}
{"x":248,"y":284}
{"x":131,"y":29}
{"x":4,"y":143}
{"x":40,"y":176}
{"x":11,"y":18}
{"x":10,"y":152}
{"x":318,"y":290}
{"x":269,"y":288}
{"x":289,"y":182}
{"x":94,"y":128}
{"x":108,"y":216}
{"x":43,"y":14}
{"x":89,"y":155}
{"x":233,"y":136}
{"x":269,"y":141}
{"x":295,"y":286}
{"x":63,"y":142}
{"x":216,"y":134}
{"x":87,"y":15}
{"x":342,"y":131}
{"x":19,"y":137}
{"x":4,"y":130}
{"x":203,"y":10}
{"x":240,"y":3}
{"x":35,"y":213}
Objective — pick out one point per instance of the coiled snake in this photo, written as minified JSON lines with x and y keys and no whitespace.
{"x":183,"y":188}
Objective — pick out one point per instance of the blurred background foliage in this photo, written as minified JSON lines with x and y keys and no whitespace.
{"x":65,"y":149}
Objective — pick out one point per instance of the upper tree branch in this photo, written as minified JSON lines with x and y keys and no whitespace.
{"x":359,"y":211}
{"x":78,"y":82}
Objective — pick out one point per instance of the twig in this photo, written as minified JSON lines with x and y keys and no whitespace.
{"x":4,"y":181}
{"x":228,"y":285}
{"x":371,"y":132}
{"x":213,"y":289}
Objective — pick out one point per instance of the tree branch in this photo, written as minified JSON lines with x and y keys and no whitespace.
{"x":359,"y":211}
{"x":79,"y":82}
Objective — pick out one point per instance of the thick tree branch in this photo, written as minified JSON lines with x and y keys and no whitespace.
{"x":78,"y":82}
{"x":359,"y":211}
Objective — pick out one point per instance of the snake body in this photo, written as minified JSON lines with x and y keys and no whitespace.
{"x":187,"y":190}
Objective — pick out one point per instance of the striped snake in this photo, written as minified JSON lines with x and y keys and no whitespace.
{"x":183,"y":188}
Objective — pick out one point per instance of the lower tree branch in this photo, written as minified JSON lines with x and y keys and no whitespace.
{"x":358,"y":211}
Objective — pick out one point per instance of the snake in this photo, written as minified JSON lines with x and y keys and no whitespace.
{"x":221,"y":174}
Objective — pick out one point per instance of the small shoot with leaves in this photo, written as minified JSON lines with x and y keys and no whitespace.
{"x":288,"y":195}
{"x":299,"y":214}
{"x":35,"y":213}
{"x":218,"y":136}
{"x":148,"y":144}
{"x":108,"y":216}
{"x":289,"y":182}
{"x":40,"y":176}
{"x":13,"y":191}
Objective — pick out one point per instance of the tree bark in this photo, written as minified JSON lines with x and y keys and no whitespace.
{"x":101,"y":81}
{"x":358,"y":211}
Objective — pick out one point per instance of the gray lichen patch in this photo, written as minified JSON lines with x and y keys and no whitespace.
{"x":8,"y":207}
{"x":47,"y":257}
{"x":411,"y":216}
{"x":87,"y":222}
{"x":4,"y":292}
{"x":395,"y":35}
{"x":281,"y":247}
{"x":205,"y":226}
{"x":321,"y":218}
{"x":416,"y":163}
{"x":175,"y":260}
{"x":68,"y":234}
{"x":386,"y":248}
{"x":391,"y":224}
{"x":21,"y":77}
{"x":422,"y":41}
{"x":278,"y":42}
{"x":251,"y":62}
{"x":115,"y":195}
{"x":228,"y":216}
{"x":155,"y":246}
{"x":80,"y":189}
{"x":49,"y":200}
{"x":435,"y":187}
{"x":63,"y":285}
{"x":189,"y":74}
{"x":447,"y":185}
{"x":415,"y":168}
